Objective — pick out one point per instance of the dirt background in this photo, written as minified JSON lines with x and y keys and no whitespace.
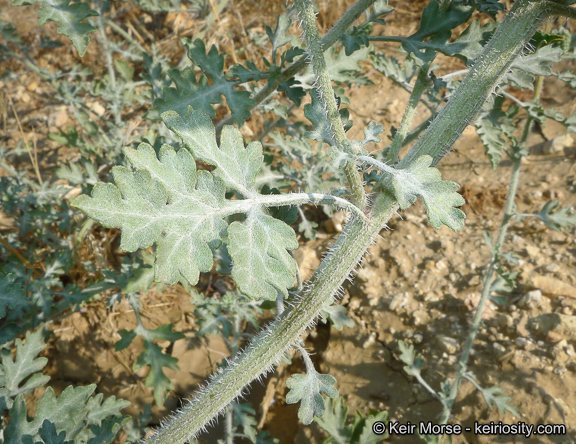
{"x":417,"y":284}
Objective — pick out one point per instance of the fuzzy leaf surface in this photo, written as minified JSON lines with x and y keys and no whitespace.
{"x":66,"y":412}
{"x":408,"y":356}
{"x":235,"y":165}
{"x":68,"y":16}
{"x":440,"y":197}
{"x":526,"y":68}
{"x":335,"y":423}
{"x":334,"y":420}
{"x":308,"y":388}
{"x":166,"y":201}
{"x":259,"y":250}
{"x":419,"y":179}
{"x":337,"y":316}
{"x":557,"y":218}
{"x":495,"y":128}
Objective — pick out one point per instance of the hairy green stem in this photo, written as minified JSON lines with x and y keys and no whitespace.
{"x":269,"y":346}
{"x":284,"y":333}
{"x":420,"y":85}
{"x":507,"y":43}
{"x":562,"y":10}
{"x":331,"y":37}
{"x":315,"y":50}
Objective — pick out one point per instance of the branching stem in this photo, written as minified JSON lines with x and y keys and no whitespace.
{"x":331,"y":37}
{"x":498,"y":56}
{"x":315,"y":50}
{"x":358,"y":235}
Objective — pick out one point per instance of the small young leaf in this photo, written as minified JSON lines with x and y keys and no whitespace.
{"x":278,"y":37}
{"x":167,"y":202}
{"x":337,"y":315}
{"x":354,"y":40}
{"x":68,"y":16}
{"x":414,"y":362}
{"x":371,"y":133}
{"x":244,"y":417}
{"x":156,"y":359}
{"x":439,"y":196}
{"x":495,"y":125}
{"x":557,"y":218}
{"x":379,"y":8}
{"x":493,"y":397}
{"x":308,"y":388}
{"x":420,"y":179}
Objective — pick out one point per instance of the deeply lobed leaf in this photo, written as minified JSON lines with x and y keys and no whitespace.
{"x":440,"y":197}
{"x":164,"y":200}
{"x":21,"y":373}
{"x":308,"y":388}
{"x":204,"y":92}
{"x":68,"y":16}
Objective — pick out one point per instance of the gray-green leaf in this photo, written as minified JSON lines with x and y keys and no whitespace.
{"x":235,"y":165}
{"x":440,"y":197}
{"x":166,"y":201}
{"x":24,"y":367}
{"x":308,"y":388}
{"x":259,"y":250}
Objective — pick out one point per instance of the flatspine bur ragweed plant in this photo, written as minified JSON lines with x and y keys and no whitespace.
{"x":192,"y":215}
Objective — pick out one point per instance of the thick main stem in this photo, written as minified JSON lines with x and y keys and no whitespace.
{"x":270,"y":345}
{"x":284,"y":333}
{"x":507,"y":43}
